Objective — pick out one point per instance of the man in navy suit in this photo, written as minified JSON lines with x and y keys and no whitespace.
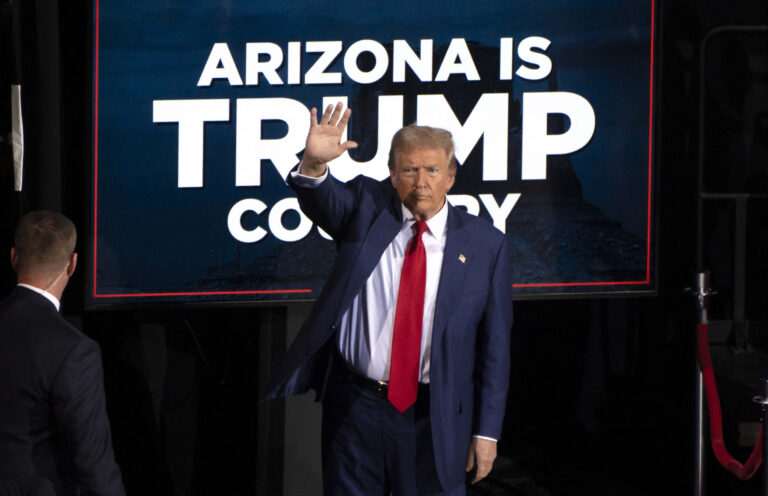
{"x":373,"y":442}
{"x":54,"y":432}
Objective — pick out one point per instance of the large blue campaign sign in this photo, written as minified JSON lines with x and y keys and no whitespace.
{"x":201,"y":109}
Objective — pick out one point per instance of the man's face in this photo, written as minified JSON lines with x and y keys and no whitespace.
{"x":422,"y":178}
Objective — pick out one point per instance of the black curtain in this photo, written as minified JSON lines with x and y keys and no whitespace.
{"x":46,"y":52}
{"x":8,"y":199}
{"x":37,"y":63}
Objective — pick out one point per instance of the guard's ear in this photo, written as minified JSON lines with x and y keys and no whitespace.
{"x":72,"y":264}
{"x":14,"y":260}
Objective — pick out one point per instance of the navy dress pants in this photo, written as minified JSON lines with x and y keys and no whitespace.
{"x":371,"y":449}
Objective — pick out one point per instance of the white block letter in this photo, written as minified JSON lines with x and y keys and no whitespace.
{"x":251,"y":149}
{"x":191,"y":116}
{"x":421,"y":64}
{"x":506,"y":59}
{"x":316,"y":74}
{"x":498,"y":213}
{"x":294,"y":62}
{"x":234,"y":220}
{"x":381,"y":61}
{"x":467,"y":201}
{"x":540,"y":60}
{"x":276,"y":221}
{"x":268,"y":67}
{"x":457,"y":60}
{"x":220,"y":55}
{"x":537,"y":144}
{"x":488,"y":119}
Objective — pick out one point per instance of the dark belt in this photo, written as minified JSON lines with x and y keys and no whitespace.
{"x":379,"y":388}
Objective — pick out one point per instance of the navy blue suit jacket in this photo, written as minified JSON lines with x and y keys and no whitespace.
{"x":54,"y":431}
{"x":469,"y":361}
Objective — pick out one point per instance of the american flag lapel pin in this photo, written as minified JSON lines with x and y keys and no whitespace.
{"x":462,"y":258}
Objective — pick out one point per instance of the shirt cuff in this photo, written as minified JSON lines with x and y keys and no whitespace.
{"x":307,"y":181}
{"x":486,"y":438}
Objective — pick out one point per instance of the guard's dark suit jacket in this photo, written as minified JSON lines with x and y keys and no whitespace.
{"x":469,"y":361}
{"x":54,"y":431}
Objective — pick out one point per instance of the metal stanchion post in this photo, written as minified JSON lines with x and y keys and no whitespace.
{"x":763,"y":400}
{"x":701,"y":291}
{"x":698,"y":448}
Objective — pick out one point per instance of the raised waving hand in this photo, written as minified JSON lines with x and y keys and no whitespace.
{"x":324,"y":140}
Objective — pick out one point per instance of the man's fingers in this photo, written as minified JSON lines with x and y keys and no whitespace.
{"x":326,"y":115}
{"x":484,"y":451}
{"x":348,"y":145}
{"x":483,"y":469}
{"x":344,"y":119}
{"x":332,"y":116}
{"x":337,"y":115}
{"x":471,"y":460}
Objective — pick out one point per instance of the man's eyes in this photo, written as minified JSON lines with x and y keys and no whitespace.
{"x":430,"y":170}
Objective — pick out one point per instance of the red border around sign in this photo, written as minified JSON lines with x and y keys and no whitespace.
{"x":95,"y":141}
{"x":650,"y":148}
{"x":209,"y":293}
{"x":305,"y":291}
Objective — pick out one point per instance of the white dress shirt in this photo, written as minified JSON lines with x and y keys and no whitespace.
{"x":48,"y":295}
{"x":365,"y":331}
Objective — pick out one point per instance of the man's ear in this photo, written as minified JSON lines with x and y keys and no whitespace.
{"x":72,"y":264}
{"x":14,"y":260}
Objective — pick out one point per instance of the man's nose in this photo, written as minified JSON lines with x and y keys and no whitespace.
{"x":421,"y":177}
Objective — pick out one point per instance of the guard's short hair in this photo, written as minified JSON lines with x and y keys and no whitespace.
{"x":412,"y":137}
{"x":44,"y":241}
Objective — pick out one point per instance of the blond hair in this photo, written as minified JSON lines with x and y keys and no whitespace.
{"x":412,"y":137}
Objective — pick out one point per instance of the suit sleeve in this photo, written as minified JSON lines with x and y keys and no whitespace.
{"x":80,"y":409}
{"x":492,"y":361}
{"x":329,"y":204}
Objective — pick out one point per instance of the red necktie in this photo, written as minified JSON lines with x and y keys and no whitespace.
{"x":409,"y":317}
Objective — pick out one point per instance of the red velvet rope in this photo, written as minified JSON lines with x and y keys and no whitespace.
{"x":749,"y":468}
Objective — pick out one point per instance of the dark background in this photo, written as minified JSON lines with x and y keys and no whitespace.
{"x":602,"y":389}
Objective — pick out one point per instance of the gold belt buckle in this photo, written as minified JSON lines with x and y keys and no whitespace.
{"x":381,"y":388}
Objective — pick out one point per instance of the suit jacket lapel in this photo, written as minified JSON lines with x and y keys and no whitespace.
{"x":452,"y":274}
{"x":383,"y":230}
{"x":381,"y":233}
